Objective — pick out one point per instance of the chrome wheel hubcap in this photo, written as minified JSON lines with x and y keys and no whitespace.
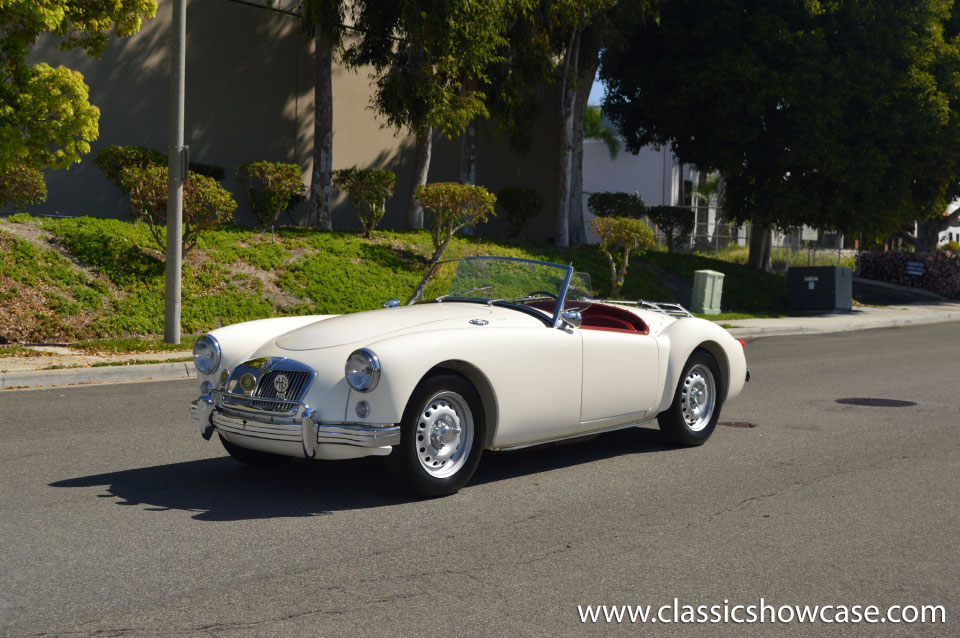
{"x":444,"y":434}
{"x":698,"y":397}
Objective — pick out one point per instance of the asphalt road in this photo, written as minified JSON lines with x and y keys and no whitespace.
{"x":117,"y":519}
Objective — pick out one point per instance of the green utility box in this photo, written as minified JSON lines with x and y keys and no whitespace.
{"x":820,"y":288}
{"x":707,"y":289}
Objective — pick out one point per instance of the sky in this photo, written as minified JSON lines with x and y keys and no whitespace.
{"x":596,"y":93}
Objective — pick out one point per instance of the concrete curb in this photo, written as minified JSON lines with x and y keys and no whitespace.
{"x":900,"y":288}
{"x":103,"y":374}
{"x":755,"y":332}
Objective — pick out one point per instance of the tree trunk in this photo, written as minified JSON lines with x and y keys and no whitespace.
{"x":589,"y":62}
{"x":928,"y":235}
{"x":760,"y":240}
{"x":468,"y":155}
{"x":321,"y":188}
{"x":561,"y":226}
{"x":421,"y":168}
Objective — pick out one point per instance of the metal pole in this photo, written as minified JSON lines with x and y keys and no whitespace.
{"x":176,"y":174}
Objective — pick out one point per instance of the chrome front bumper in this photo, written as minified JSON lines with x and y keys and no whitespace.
{"x":300,"y":426}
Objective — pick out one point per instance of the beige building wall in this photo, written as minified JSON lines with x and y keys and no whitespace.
{"x":249,"y":97}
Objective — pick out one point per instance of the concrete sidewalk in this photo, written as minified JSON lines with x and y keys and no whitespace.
{"x":62,"y":366}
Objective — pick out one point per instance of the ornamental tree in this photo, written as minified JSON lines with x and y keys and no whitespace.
{"x":368,"y":190}
{"x":206,"y":204}
{"x":675,"y":222}
{"x":619,"y":237}
{"x":270,"y":188}
{"x":46,"y":119}
{"x":22,"y":186}
{"x":609,"y":204}
{"x":430,"y":62}
{"x":452,"y":207}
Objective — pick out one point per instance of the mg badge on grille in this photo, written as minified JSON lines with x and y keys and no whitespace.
{"x":281,"y":384}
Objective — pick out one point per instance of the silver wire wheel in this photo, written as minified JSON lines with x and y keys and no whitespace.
{"x":444,"y":433}
{"x":698,"y":397}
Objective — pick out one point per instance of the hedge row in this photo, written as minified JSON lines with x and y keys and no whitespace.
{"x":941,"y":270}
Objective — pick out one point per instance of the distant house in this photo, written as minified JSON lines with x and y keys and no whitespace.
{"x":660,"y":180}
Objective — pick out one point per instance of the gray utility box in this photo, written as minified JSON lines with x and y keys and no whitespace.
{"x":707,"y":290}
{"x":820,"y":288}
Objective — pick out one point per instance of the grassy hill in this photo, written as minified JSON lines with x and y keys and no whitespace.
{"x":88,"y":278}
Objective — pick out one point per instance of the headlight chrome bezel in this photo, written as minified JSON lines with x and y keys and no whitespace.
{"x":371,"y":368}
{"x":206,"y":354}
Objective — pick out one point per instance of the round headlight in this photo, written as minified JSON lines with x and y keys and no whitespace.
{"x":362,"y":370}
{"x":206,"y":354}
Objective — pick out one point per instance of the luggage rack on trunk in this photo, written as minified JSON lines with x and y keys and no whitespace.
{"x":671,"y":309}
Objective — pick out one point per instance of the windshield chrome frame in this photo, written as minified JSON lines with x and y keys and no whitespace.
{"x":561,"y":298}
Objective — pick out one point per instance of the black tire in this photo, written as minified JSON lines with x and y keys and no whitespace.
{"x":441,"y":410}
{"x":681,"y":424}
{"x":250,"y":457}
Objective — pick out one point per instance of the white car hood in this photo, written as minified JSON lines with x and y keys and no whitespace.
{"x":372,"y":324}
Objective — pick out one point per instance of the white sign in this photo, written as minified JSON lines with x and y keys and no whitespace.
{"x":809,"y":234}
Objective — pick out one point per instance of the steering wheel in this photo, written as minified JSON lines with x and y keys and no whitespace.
{"x":542,"y":292}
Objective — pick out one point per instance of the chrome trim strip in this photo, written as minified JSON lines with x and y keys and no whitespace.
{"x":275,"y":432}
{"x":358,"y":435}
{"x":578,"y":435}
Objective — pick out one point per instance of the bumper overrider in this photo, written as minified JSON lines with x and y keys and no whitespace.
{"x":271,"y":420}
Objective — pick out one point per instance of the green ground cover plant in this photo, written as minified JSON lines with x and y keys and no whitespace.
{"x":100,"y":282}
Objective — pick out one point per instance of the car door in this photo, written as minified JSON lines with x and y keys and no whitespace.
{"x":620,"y":377}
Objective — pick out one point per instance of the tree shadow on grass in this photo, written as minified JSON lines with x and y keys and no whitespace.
{"x":220,"y":489}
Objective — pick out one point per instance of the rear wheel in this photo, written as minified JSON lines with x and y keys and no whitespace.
{"x":254,"y":458}
{"x":441,"y":437}
{"x":693,"y":415}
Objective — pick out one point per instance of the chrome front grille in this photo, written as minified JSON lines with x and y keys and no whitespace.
{"x":267,"y":389}
{"x":267,"y":395}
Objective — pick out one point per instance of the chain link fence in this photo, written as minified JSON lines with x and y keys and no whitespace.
{"x":800,"y":247}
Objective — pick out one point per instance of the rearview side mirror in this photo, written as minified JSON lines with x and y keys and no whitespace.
{"x":571,"y":318}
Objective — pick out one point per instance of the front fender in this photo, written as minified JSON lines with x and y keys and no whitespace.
{"x":684,"y":336}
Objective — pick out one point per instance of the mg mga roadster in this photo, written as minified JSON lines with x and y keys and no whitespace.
{"x":488,"y":353}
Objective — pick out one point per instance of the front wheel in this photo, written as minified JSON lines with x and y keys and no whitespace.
{"x":693,"y":415}
{"x":441,"y":437}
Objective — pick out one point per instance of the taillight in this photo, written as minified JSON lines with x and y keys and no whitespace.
{"x":742,"y":344}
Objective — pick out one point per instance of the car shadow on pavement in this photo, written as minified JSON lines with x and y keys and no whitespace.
{"x":220,"y":489}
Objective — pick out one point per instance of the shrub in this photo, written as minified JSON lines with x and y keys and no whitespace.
{"x":270,"y":188}
{"x":112,"y":160}
{"x":952,"y":246}
{"x":22,"y":186}
{"x":205,"y":203}
{"x":675,"y":222}
{"x":620,"y":236}
{"x":521,"y":204}
{"x":941,"y":270}
{"x":452,"y":207}
{"x":368,"y":190}
{"x":616,"y":205}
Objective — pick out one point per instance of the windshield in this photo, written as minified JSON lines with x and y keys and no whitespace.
{"x":535,"y":284}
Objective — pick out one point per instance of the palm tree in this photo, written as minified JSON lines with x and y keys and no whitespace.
{"x":594,"y":128}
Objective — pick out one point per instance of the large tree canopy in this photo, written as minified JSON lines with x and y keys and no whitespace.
{"x":46,"y":120}
{"x":837,"y":114}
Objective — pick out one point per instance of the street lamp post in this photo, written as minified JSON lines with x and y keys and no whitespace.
{"x":176,"y":174}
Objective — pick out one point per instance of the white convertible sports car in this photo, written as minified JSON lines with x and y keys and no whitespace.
{"x":489,"y":353}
